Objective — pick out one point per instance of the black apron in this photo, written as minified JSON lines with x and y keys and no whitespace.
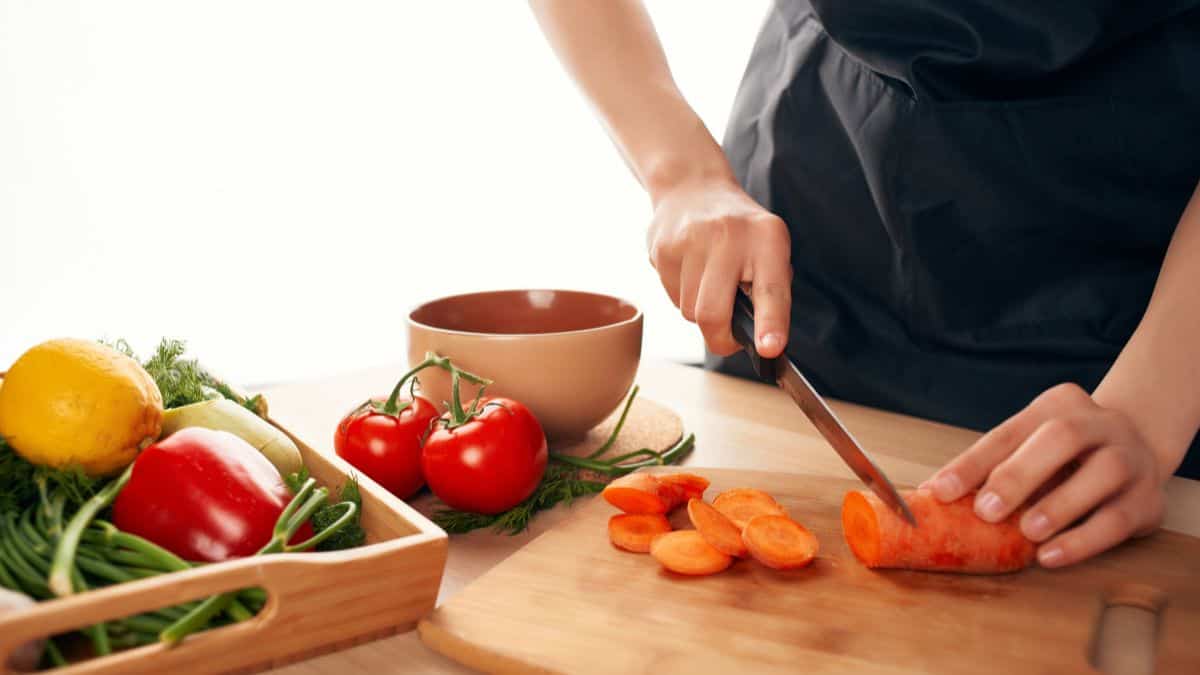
{"x":980,"y":194}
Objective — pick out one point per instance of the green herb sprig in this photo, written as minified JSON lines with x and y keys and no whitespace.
{"x":566,"y":478}
{"x":349,"y":535}
{"x":184,"y":381}
{"x":560,"y":485}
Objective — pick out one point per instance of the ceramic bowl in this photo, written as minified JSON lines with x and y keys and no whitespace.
{"x":570,"y":356}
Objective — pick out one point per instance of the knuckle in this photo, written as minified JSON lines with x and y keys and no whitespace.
{"x":969,"y":468}
{"x":1112,"y":462}
{"x":1005,"y":436}
{"x":1065,"y":432}
{"x":1007,"y":478}
{"x":773,"y":291}
{"x":1067,"y":393}
{"x":709,"y":319}
{"x":659,"y":252}
{"x":1121,"y":519}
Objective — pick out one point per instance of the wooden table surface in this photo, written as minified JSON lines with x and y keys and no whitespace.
{"x":738,"y":424}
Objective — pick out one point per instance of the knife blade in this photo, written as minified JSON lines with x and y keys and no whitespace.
{"x":784,"y":373}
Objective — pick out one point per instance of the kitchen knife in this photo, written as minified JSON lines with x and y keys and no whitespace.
{"x":784,"y":373}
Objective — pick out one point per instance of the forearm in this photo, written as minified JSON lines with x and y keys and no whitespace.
{"x":1154,"y":380}
{"x":612,"y":52}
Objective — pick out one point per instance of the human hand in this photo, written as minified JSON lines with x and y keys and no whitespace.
{"x":1070,"y":459}
{"x":708,"y":236}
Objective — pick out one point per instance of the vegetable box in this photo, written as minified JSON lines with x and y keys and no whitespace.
{"x":318,"y":602}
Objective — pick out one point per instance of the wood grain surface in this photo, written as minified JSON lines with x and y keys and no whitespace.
{"x":571,"y":603}
{"x":738,"y":424}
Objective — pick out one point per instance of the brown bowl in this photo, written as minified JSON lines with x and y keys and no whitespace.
{"x":568,"y":355}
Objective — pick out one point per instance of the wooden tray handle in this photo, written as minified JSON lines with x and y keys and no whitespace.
{"x":115,"y":602}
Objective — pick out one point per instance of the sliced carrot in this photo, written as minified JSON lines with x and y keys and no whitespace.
{"x":634,"y":532}
{"x":717,"y":530}
{"x":693,"y":485}
{"x":948,"y":537}
{"x":742,"y":504}
{"x":672,"y":494}
{"x":686,"y":552}
{"x":779,"y":542}
{"x":635,"y":493}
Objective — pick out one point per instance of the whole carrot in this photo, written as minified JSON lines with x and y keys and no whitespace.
{"x":948,"y":537}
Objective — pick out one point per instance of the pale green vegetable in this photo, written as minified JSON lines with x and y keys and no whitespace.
{"x":225,"y":415}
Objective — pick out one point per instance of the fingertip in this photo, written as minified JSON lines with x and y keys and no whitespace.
{"x":946,"y":487}
{"x":1051,"y":555}
{"x":770,"y":345}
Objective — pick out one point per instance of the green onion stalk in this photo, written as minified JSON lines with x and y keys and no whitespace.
{"x":44,"y":555}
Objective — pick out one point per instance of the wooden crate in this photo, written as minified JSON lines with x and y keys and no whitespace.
{"x":318,"y":602}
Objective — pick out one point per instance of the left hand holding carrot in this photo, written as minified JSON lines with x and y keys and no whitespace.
{"x":1068,"y":457}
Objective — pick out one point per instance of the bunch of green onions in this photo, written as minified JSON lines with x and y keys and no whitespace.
{"x":45,"y":555}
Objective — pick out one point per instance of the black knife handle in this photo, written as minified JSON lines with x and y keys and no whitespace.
{"x":743,"y":332}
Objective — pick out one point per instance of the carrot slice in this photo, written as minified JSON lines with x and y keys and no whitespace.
{"x":779,"y":542}
{"x":742,"y":504}
{"x":948,"y":538}
{"x":693,"y":485}
{"x":635,"y":493}
{"x":686,"y":552}
{"x":634,"y":532}
{"x":717,"y":530}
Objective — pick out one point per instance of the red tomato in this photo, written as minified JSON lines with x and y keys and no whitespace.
{"x":204,"y":495}
{"x":387,"y":447}
{"x":489,"y":464}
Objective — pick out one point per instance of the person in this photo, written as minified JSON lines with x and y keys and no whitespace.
{"x":979,"y":212}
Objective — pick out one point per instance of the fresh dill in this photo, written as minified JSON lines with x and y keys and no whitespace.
{"x":560,"y":485}
{"x":184,"y":381}
{"x":352,"y":534}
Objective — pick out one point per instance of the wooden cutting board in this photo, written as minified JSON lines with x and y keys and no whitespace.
{"x":571,"y":603}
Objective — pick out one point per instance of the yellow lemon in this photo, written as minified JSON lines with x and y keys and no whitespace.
{"x":71,"y":401}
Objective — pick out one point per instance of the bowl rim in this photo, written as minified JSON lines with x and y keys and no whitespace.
{"x":637,"y":313}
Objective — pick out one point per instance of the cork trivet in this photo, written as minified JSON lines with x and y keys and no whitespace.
{"x":650,"y":424}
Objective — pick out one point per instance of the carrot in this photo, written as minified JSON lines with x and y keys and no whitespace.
{"x":686,"y":552}
{"x":636,"y":493}
{"x":647,"y":493}
{"x":948,"y":537}
{"x":693,"y":485}
{"x":634,"y":532}
{"x":779,"y":542}
{"x":717,"y":530}
{"x":742,"y":504}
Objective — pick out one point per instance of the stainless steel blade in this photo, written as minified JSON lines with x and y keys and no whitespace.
{"x":791,"y":380}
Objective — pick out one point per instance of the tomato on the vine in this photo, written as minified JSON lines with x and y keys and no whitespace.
{"x":387,"y":446}
{"x":383,"y":438}
{"x":485,"y":460}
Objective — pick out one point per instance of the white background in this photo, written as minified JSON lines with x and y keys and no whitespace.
{"x":279,"y":182}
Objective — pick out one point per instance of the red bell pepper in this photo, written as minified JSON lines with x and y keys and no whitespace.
{"x":204,"y":495}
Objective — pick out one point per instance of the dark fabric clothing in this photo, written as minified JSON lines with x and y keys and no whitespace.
{"x":980,"y":194}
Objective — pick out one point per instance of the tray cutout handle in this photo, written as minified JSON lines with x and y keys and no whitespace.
{"x":52,"y":617}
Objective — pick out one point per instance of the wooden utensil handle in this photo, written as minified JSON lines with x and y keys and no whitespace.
{"x":122,"y":600}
